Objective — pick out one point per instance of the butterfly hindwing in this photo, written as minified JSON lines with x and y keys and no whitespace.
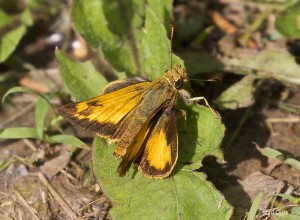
{"x":161,"y":146}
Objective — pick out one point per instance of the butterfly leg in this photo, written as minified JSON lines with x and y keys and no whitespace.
{"x":186,"y":96}
{"x":206,"y":103}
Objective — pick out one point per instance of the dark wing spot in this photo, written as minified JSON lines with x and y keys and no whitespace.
{"x":94,"y":103}
{"x":87,"y":112}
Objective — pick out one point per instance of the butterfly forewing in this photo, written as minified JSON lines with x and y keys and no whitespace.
{"x":102,"y":114}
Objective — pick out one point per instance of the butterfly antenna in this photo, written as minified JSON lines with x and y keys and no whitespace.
{"x":171,"y":43}
{"x":213,"y":79}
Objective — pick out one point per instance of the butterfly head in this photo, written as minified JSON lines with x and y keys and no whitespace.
{"x":176,"y":77}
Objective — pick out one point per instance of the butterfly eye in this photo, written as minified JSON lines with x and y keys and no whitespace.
{"x":178,"y":84}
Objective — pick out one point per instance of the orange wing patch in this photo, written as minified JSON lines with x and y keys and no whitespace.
{"x":159,"y":152}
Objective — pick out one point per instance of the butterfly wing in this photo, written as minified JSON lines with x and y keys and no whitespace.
{"x":102,"y":114}
{"x":161,"y":146}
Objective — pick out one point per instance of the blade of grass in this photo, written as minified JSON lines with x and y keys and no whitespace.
{"x":288,"y":197}
{"x":19,"y":132}
{"x":41,"y":109}
{"x":4,"y":165}
{"x":254,"y":207}
{"x":69,"y":139}
{"x":295,"y":211}
{"x":31,"y":91}
{"x":294,"y":163}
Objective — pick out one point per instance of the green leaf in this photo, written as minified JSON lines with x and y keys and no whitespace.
{"x":68,"y":139}
{"x":185,"y":195}
{"x":94,"y":22}
{"x":95,"y":29}
{"x":199,"y":136}
{"x":255,"y":205}
{"x":26,"y":17}
{"x":118,"y":28}
{"x":5,"y":19}
{"x":10,"y":41}
{"x":156,"y":56}
{"x":239,"y":95}
{"x":163,"y":9}
{"x":82,"y":79}
{"x":19,"y":132}
{"x":41,"y":109}
{"x":287,"y":22}
{"x":184,"y":191}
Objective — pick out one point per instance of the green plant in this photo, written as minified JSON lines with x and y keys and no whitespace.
{"x":39,"y":132}
{"x":14,"y":26}
{"x":11,"y":38}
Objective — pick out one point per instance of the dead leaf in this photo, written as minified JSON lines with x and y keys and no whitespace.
{"x":52,"y":167}
{"x":259,"y":182}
